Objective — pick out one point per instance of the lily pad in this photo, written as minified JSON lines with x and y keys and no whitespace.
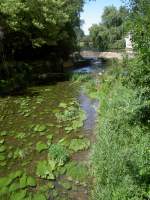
{"x":23,"y":181}
{"x":5,"y":181}
{"x":14,"y":187}
{"x":20,"y":135}
{"x":39,"y":196}
{"x":2,"y":141}
{"x":31,"y":181}
{"x":2,"y":164}
{"x":3,"y":133}
{"x":64,"y":141}
{"x":40,"y":146}
{"x":2,"y":148}
{"x":45,"y":169}
{"x":45,"y":188}
{"x":2,"y":157}
{"x":76,"y":171}
{"x":62,"y":105}
{"x":39,"y":128}
{"x":79,"y":144}
{"x":18,"y":195}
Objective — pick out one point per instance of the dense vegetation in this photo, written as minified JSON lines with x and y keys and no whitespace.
{"x":110,"y":33}
{"x":121,"y":154}
{"x":28,"y":24}
{"x":35,"y":30}
{"x":41,"y":132}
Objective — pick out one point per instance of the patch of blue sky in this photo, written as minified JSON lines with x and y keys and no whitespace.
{"x":93,"y":11}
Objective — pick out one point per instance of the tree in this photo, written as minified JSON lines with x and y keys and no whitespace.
{"x":36,"y":29}
{"x":38,"y":23}
{"x":99,"y":35}
{"x":110,"y":32}
{"x":140,"y":27}
{"x":139,"y":70}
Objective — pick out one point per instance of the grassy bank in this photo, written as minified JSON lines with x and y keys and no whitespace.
{"x":121,"y":153}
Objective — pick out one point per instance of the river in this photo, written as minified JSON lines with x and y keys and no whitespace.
{"x":45,"y":138}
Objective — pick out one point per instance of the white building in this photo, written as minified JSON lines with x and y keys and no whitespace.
{"x":128,"y":41}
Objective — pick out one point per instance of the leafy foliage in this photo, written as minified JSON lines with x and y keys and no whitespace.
{"x":39,"y":196}
{"x":58,"y":153}
{"x":41,"y":147}
{"x":77,"y":171}
{"x":79,"y":144}
{"x":34,"y":29}
{"x":65,"y":184}
{"x":121,"y":153}
{"x":15,"y":184}
{"x":18,"y":195}
{"x":110,"y":33}
{"x":139,"y":25}
{"x":54,"y":24}
{"x":71,"y":114}
{"x":45,"y":169}
{"x":40,"y":128}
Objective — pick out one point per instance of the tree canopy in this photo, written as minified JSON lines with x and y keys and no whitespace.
{"x":110,"y":32}
{"x":39,"y":22}
{"x":140,"y":26}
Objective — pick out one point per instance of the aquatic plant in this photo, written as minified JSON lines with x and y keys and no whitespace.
{"x":48,"y":186}
{"x":19,"y":153}
{"x":59,"y":153}
{"x":20,"y":135}
{"x":24,"y":107}
{"x":39,"y":128}
{"x":45,"y":169}
{"x":15,"y":184}
{"x":71,"y":115}
{"x":40,"y":146}
{"x":39,"y":196}
{"x":77,"y":171}
{"x":32,"y":138}
{"x":79,"y":144}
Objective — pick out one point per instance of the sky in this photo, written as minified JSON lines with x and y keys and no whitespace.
{"x":93,"y":11}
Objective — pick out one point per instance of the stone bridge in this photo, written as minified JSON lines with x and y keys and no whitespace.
{"x":107,"y":55}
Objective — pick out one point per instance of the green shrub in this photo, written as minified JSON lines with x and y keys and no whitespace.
{"x":121,"y":154}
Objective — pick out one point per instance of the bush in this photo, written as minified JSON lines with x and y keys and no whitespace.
{"x":13,"y":77}
{"x":121,"y":153}
{"x":119,"y":44}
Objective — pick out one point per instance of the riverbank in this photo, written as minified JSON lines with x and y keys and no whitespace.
{"x":121,"y":153}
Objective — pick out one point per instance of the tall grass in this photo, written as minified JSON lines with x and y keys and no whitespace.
{"x":121,"y":153}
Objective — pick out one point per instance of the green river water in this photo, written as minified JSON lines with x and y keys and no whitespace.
{"x":45,"y":139}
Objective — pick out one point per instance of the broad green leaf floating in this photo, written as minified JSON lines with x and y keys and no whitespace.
{"x":18,"y":195}
{"x":77,"y":171}
{"x":40,"y":146}
{"x":79,"y":144}
{"x":31,"y":181}
{"x":39,"y":128}
{"x":39,"y":196}
{"x":2,"y":148}
{"x":23,"y":181}
{"x":45,"y":169}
